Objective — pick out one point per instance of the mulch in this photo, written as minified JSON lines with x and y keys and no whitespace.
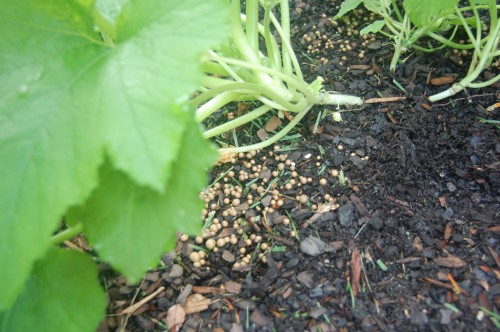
{"x":407,"y":240}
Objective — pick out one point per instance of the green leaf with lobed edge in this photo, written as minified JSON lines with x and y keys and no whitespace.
{"x":49,"y":146}
{"x":131,"y":225}
{"x":61,"y":294}
{"x":66,"y":98}
{"x":422,"y":12}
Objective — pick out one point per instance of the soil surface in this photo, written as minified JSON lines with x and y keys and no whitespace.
{"x":389,"y":221}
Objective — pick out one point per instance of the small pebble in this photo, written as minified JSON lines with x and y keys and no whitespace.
{"x":312,"y":246}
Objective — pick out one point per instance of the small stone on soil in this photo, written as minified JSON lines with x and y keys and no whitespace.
{"x":317,"y":312}
{"x":312,"y":246}
{"x":306,"y":278}
{"x":259,"y":319}
{"x":346,"y":215}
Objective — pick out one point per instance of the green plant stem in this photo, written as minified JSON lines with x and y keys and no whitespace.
{"x":208,"y":108}
{"x":251,"y":26}
{"x":271,"y":140}
{"x":250,"y":89}
{"x":272,"y":52}
{"x":67,"y":234}
{"x":448,"y":41}
{"x":239,"y":121}
{"x":239,"y":37}
{"x":398,"y":48}
{"x":288,"y":53}
{"x":290,"y":80}
{"x":484,"y":58}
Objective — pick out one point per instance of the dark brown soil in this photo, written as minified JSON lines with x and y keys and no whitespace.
{"x":413,"y":244}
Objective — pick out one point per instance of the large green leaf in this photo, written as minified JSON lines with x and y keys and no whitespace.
{"x":130,"y":225}
{"x":49,"y":146}
{"x":61,"y":294}
{"x":66,"y":98}
{"x":422,"y":12}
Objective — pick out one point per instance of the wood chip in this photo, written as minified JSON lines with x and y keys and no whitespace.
{"x":262,"y":134}
{"x":273,"y":124}
{"x":196,"y":303}
{"x":442,"y":80}
{"x":494,"y":255}
{"x":334,"y":246}
{"x":407,"y":260}
{"x":448,"y":231}
{"x":184,"y":294}
{"x":417,"y":244}
{"x":207,"y":290}
{"x":228,"y":256}
{"x":232,"y":287}
{"x":355,"y":271}
{"x":359,"y":205}
{"x":393,"y":120}
{"x":451,"y":261}
{"x":362,"y":67}
{"x":175,"y":317}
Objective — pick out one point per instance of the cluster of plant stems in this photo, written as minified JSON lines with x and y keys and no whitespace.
{"x":405,"y":34}
{"x":272,"y":79}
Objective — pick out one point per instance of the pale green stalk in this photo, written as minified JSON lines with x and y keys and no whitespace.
{"x":244,"y":73}
{"x":483,"y":55}
{"x":67,"y":234}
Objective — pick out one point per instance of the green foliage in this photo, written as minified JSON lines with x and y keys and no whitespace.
{"x":437,"y":21}
{"x":254,"y":67}
{"x":119,"y":210}
{"x":96,"y":119}
{"x":61,"y":288}
{"x":423,"y":12}
{"x":373,"y":27}
{"x":347,"y":6}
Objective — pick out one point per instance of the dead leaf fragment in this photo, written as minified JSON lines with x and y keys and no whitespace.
{"x":355,"y":271}
{"x":175,"y":317}
{"x":196,"y":303}
{"x":273,"y":124}
{"x":451,"y":261}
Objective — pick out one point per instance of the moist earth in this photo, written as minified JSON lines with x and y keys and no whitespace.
{"x":395,"y":227}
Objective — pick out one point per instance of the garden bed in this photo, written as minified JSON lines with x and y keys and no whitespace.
{"x":408,"y":239}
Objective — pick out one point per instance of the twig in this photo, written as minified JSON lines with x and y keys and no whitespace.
{"x":456,"y":288}
{"x":279,"y":239}
{"x":129,"y":310}
{"x":383,"y":100}
{"x":438,"y":283}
